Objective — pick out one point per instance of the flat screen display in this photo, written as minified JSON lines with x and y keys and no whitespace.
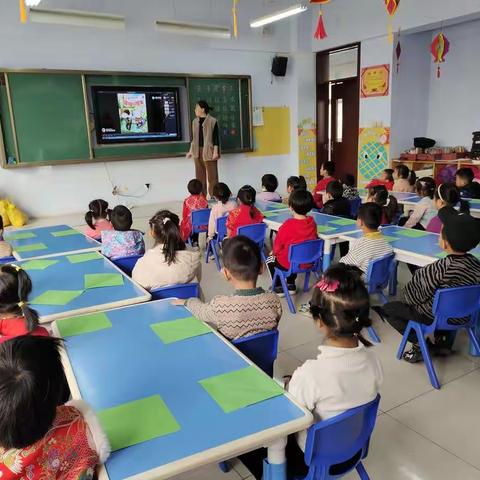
{"x":136,"y":114}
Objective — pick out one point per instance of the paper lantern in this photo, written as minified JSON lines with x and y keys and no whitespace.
{"x":439,"y":48}
{"x":320,"y":31}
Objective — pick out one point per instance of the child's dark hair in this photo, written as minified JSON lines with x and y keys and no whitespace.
{"x":15,"y":287}
{"x":329,"y":167}
{"x":466,"y":174}
{"x":241,"y":257}
{"x":31,"y":385}
{"x":195,"y":187}
{"x":297,"y":182}
{"x":404,"y":172}
{"x":166,"y":231}
{"x":121,"y":218}
{"x":349,"y":180}
{"x":221,"y":192}
{"x":206,"y":107}
{"x":388,"y":203}
{"x":97,"y":209}
{"x":270,"y":182}
{"x":448,"y":193}
{"x":425,"y":187}
{"x":247,"y":195}
{"x":1,"y":222}
{"x":341,"y":301}
{"x":371,"y":215}
{"x":389,"y":172}
{"x":335,"y":189}
{"x":301,"y":201}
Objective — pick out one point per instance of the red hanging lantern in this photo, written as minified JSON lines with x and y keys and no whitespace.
{"x":391,"y":6}
{"x":439,"y":48}
{"x":320,"y":32}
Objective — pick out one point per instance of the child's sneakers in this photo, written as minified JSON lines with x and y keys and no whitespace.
{"x":305,"y":310}
{"x":292,"y":290}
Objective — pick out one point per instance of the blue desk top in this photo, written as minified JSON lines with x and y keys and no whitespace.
{"x":55,"y":245}
{"x":270,"y":206}
{"x":67,"y":276}
{"x":129,"y":362}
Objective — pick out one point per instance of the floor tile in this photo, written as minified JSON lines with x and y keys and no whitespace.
{"x":209,"y":472}
{"x":285,"y":364}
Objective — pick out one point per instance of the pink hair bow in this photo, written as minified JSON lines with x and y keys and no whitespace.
{"x":326,"y":286}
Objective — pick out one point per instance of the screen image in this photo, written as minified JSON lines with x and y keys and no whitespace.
{"x":136,"y":114}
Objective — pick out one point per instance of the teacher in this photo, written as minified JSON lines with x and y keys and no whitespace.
{"x":205,"y":149}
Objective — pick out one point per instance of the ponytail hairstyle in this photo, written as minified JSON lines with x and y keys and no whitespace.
{"x":425,"y":187}
{"x":221,"y":192}
{"x":296,"y":183}
{"x":341,"y":302}
{"x":165,"y":229}
{"x":15,"y":287}
{"x":97,"y":209}
{"x":379,"y":195}
{"x":247,"y":196}
{"x":448,"y":194}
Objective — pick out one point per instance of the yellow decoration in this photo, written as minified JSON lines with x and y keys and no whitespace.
{"x":273,"y":137}
{"x":235,"y":19}
{"x":23,"y":11}
{"x":307,"y":151}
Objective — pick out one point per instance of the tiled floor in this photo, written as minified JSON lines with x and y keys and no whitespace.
{"x":421,"y":434}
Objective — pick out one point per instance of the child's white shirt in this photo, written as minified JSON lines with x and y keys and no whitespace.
{"x":336,"y":381}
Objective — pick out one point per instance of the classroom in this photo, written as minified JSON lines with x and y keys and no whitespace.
{"x":239,"y":239}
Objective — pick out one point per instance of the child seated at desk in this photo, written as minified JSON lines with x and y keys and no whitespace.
{"x":327,"y":170}
{"x":424,"y":210}
{"x":350,"y":191}
{"x":464,"y":179}
{"x":404,"y":179}
{"x":16,"y":317}
{"x":386,"y":180}
{"x":5,"y":247}
{"x":389,"y":204}
{"x":460,"y":234}
{"x":294,"y":183}
{"x":39,"y":438}
{"x":196,"y":201}
{"x":122,"y":241}
{"x":168,"y":262}
{"x":335,"y":202}
{"x":250,"y":310}
{"x":223,"y":207}
{"x":246,"y":213}
{"x":372,"y":245}
{"x":269,"y":189}
{"x":97,"y":219}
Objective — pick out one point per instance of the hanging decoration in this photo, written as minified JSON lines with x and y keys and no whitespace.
{"x":23,"y":11}
{"x":398,"y":51}
{"x":320,"y":32}
{"x":439,"y":48}
{"x":235,"y":18}
{"x":391,"y":6}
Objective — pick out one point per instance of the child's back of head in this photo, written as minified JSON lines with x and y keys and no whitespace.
{"x":388,"y":203}
{"x":464,"y":176}
{"x":164,"y":226}
{"x":403,"y":172}
{"x":349,"y":180}
{"x":221,"y":192}
{"x":447,"y":195}
{"x":425,"y":187}
{"x":294,"y":183}
{"x":388,"y":175}
{"x":301,"y":201}
{"x":97,"y":210}
{"x":335,"y":189}
{"x":195,"y":187}
{"x":242,"y":259}
{"x":121,"y":218}
{"x":461,"y":232}
{"x":247,"y":196}
{"x":370,"y":215}
{"x":327,"y":169}
{"x":269,"y":182}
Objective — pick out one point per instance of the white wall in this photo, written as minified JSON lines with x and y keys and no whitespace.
{"x":63,"y":189}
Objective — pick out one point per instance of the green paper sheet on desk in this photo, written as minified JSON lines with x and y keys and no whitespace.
{"x":38,"y":264}
{"x":325,"y":229}
{"x":100,"y":280}
{"x":272,"y":213}
{"x":56,"y":297}
{"x":241,"y":388}
{"x":30,"y":248}
{"x":343,"y":222}
{"x":66,"y":233}
{"x":181,"y":329}
{"x":411,"y":233}
{"x":19,"y":236}
{"x":84,"y":257}
{"x":389,"y":238}
{"x":69,"y":327}
{"x":136,"y":422}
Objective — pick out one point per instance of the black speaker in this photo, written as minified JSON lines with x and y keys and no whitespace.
{"x":279,"y":66}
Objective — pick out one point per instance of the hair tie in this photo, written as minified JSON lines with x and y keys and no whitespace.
{"x":440,"y":193}
{"x":328,"y":286}
{"x":16,"y":267}
{"x":21,"y":304}
{"x":166,"y":220}
{"x":388,"y":201}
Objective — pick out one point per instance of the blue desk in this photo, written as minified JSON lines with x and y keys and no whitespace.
{"x":329,"y":238}
{"x":55,"y":245}
{"x":270,"y":206}
{"x":128,"y":361}
{"x":67,"y":276}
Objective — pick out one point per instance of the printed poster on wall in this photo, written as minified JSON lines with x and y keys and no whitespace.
{"x":375,"y":81}
{"x":307,"y":151}
{"x":373,"y":153}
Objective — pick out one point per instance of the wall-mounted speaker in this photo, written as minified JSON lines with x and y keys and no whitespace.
{"x":279,"y":66}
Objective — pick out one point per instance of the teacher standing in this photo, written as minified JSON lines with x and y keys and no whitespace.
{"x":205,"y":146}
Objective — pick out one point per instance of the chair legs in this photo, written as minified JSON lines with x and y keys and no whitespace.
{"x":374,"y":335}
{"x":283,"y":281}
{"x":392,"y":288}
{"x":306,"y":282}
{"x":224,"y":467}
{"x":362,"y":473}
{"x":474,"y":343}
{"x":404,"y":341}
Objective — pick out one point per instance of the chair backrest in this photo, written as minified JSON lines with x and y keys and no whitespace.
{"x":184,"y":291}
{"x":341,"y":438}
{"x":261,"y":349}
{"x":221,"y":228}
{"x":200,"y":220}
{"x":255,"y":232}
{"x":456,"y":303}
{"x":378,"y":273}
{"x":127,"y":264}
{"x":5,"y":260}
{"x":308,"y":253}
{"x":354,"y":206}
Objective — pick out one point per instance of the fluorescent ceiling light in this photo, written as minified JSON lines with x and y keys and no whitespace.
{"x":76,"y":18}
{"x":276,"y":16}
{"x":195,"y":29}
{"x":32,"y":3}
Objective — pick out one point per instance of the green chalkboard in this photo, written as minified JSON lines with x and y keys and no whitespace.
{"x":6,"y":125}
{"x":230,"y":99}
{"x":49,"y":113}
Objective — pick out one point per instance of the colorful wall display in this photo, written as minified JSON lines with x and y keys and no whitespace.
{"x":373,"y":152}
{"x":375,"y":81}
{"x":307,"y":151}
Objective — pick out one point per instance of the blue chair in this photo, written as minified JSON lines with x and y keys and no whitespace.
{"x":448,"y":304}
{"x":5,"y":260}
{"x":214,"y":245}
{"x":126,"y":264}
{"x":340,"y":442}
{"x":255,"y":232}
{"x":184,"y":290}
{"x":308,"y":253}
{"x":379,"y":274}
{"x":261,"y":349}
{"x":199,"y":222}
{"x":354,"y":206}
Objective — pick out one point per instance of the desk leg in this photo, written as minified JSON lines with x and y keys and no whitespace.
{"x":476,"y":332}
{"x":327,"y":252}
{"x":275,"y":466}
